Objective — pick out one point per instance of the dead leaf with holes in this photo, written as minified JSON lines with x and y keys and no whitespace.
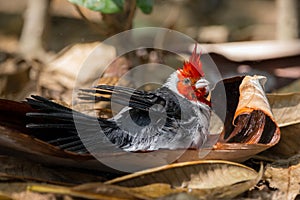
{"x":284,"y":175}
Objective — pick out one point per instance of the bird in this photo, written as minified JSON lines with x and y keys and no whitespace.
{"x":173,"y":116}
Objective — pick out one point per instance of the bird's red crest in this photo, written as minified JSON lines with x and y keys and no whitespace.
{"x":187,"y":78}
{"x":193,"y":68}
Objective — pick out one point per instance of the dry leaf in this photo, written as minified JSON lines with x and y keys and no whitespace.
{"x":52,"y":189}
{"x":205,"y":179}
{"x":291,"y":88}
{"x":285,"y":108}
{"x":289,"y":143}
{"x":14,"y":76}
{"x":79,"y":64}
{"x":236,"y":152}
{"x":285,"y":176}
{"x":253,"y":121}
{"x":18,"y":191}
{"x":87,"y":191}
{"x":249,"y":126}
{"x":202,"y":179}
{"x":286,"y":112}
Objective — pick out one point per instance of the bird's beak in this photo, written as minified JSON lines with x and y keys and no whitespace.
{"x":201,"y":83}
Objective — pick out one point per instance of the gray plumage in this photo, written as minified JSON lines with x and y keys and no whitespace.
{"x":162,"y":119}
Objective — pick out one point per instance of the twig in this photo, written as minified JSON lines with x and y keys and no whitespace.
{"x":93,"y":25}
{"x":130,"y":17}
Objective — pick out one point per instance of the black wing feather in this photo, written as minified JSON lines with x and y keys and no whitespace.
{"x":122,"y":95}
{"x":59,"y":129}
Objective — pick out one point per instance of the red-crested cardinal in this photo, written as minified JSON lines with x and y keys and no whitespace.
{"x":174,"y":116}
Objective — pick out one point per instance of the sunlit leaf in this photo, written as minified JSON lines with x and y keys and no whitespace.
{"x":202,"y":179}
{"x":104,"y":6}
{"x":86,"y":191}
{"x":207,"y":179}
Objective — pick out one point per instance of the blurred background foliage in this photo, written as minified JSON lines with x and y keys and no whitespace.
{"x":212,"y":21}
{"x":33,"y":34}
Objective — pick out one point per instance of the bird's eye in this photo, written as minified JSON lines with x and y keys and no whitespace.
{"x":186,"y":81}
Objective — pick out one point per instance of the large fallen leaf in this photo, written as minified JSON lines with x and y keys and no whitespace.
{"x":103,"y":192}
{"x":286,"y":112}
{"x":285,"y":108}
{"x":204,"y":179}
{"x":285,"y":176}
{"x":253,"y":121}
{"x":289,"y":143}
{"x":237,"y":152}
{"x":249,"y":126}
{"x":19,"y":191}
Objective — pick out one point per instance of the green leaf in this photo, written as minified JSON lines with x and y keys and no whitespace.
{"x":119,"y":3}
{"x":103,"y":6}
{"x":145,"y":5}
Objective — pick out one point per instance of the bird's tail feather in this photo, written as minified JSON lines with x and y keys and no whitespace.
{"x":59,"y":125}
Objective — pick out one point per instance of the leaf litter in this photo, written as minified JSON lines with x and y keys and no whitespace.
{"x":284,"y":175}
{"x":195,"y":178}
{"x":283,"y":114}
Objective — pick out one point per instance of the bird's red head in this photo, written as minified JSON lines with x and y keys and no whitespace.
{"x":190,"y":78}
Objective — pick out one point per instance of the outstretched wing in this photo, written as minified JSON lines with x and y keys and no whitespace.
{"x":139,"y":102}
{"x":140,"y":125}
{"x":149,"y":120}
{"x":122,"y":95}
